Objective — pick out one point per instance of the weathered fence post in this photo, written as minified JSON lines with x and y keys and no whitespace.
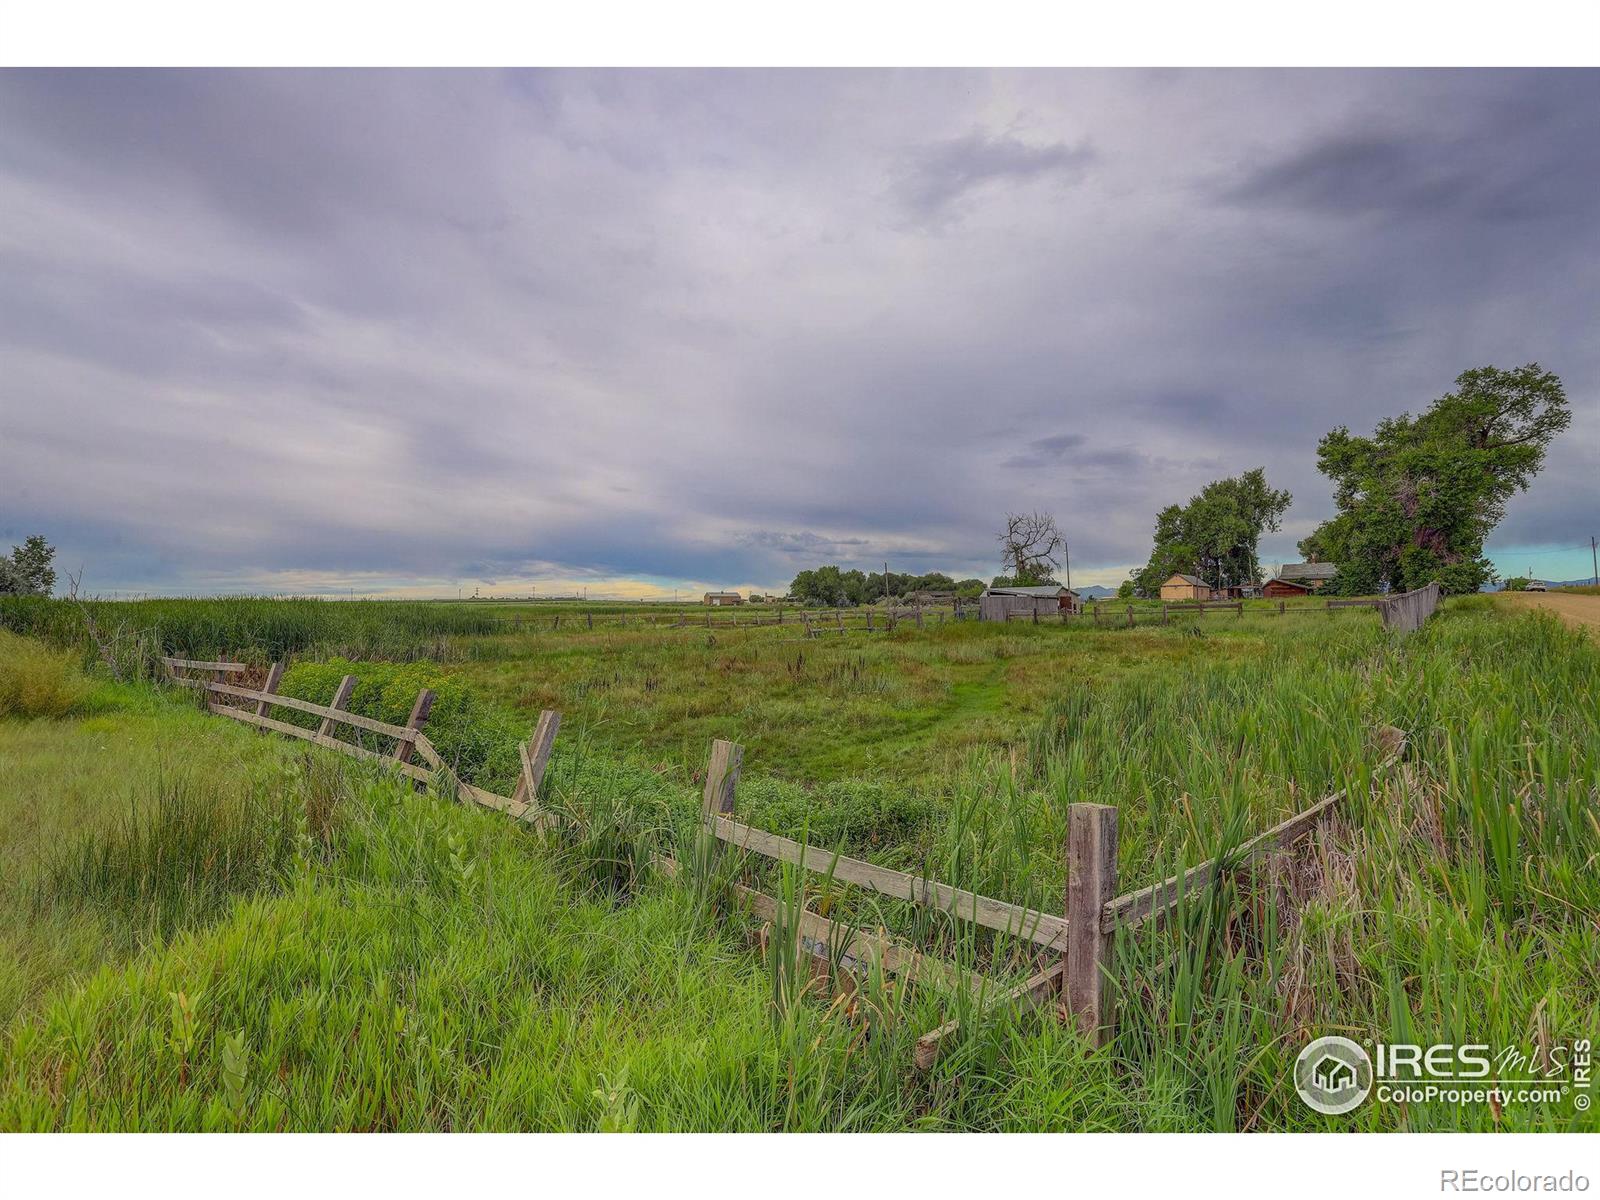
{"x":1130,"y":616}
{"x":919,"y":616}
{"x":722,"y":779}
{"x":869,"y":620}
{"x":1036,"y":614}
{"x":341,"y":699}
{"x":418,"y":718}
{"x":838,"y":615}
{"x":1163,"y":614}
{"x":1091,"y":882}
{"x":1095,"y":608}
{"x":271,"y":685}
{"x":535,"y":755}
{"x":1280,"y":608}
{"x":591,"y":619}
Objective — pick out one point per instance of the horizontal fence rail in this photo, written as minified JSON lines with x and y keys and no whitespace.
{"x":1045,"y":929}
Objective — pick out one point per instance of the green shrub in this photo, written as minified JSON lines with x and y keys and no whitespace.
{"x":478,"y":740}
{"x":36,"y":681}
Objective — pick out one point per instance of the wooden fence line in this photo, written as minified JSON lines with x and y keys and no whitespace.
{"x":408,"y":738}
{"x":1406,"y":612}
{"x":1082,"y":940}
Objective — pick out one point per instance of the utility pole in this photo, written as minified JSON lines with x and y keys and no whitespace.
{"x":1594,"y":560}
{"x":1066,"y":555}
{"x":886,"y":583}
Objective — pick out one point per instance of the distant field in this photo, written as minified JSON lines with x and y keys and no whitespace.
{"x":1576,"y":606}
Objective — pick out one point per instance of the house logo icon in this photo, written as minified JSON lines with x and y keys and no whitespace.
{"x":1333,"y":1075}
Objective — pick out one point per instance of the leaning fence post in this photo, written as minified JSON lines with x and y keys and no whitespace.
{"x":418,"y":718}
{"x":341,"y":699}
{"x":535,"y":756}
{"x":274,"y":674}
{"x":1091,"y":882}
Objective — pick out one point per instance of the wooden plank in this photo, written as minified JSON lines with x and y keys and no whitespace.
{"x":1091,"y":881}
{"x":330,"y":743}
{"x":1046,"y":929}
{"x":1134,"y":908}
{"x":274,"y":677}
{"x":419,"y":716}
{"x":341,"y":700}
{"x":863,"y":947}
{"x":1034,"y":992}
{"x":191,"y":665}
{"x":535,"y":755}
{"x":722,"y":778}
{"x":331,"y":714}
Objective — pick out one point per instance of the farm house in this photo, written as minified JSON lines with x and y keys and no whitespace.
{"x":722,"y":599}
{"x":999,"y":603}
{"x":1185,"y":587}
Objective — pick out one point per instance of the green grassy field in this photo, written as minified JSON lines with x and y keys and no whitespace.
{"x":203,"y":927}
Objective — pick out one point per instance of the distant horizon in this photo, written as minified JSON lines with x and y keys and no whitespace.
{"x":611,"y":591}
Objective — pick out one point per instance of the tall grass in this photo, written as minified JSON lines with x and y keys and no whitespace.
{"x":421,"y":965}
{"x":38,"y":682}
{"x":264,"y":628}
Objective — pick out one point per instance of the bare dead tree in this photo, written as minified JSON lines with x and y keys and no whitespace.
{"x":107,"y":655}
{"x":1030,"y":543}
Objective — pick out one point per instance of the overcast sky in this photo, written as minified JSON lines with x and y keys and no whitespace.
{"x":393,"y":331}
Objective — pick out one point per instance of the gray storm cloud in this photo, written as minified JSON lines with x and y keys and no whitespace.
{"x":292,"y":328}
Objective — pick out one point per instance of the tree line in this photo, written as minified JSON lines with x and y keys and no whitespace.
{"x":1414,"y":501}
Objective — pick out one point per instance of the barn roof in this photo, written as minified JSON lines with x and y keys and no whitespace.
{"x":1317,"y":570}
{"x":1190,"y":579}
{"x":1043,"y":589}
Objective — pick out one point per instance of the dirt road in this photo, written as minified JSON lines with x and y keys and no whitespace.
{"x":1571,"y":608}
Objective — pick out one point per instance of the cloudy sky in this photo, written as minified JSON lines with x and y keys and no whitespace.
{"x":408,"y":332}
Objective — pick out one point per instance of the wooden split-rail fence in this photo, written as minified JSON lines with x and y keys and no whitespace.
{"x":410,"y":742}
{"x":1072,"y":949}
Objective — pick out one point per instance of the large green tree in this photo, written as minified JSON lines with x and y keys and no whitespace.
{"x":1417,"y":499}
{"x":1216,"y":534}
{"x":29,"y":570}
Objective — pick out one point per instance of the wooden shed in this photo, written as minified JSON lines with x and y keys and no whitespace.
{"x":720,"y":599}
{"x":1186,"y":587}
{"x":1284,"y":589}
{"x":999,"y":603}
{"x":1311,"y":574}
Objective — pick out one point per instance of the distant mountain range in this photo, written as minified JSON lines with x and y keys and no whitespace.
{"x":1096,"y":592}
